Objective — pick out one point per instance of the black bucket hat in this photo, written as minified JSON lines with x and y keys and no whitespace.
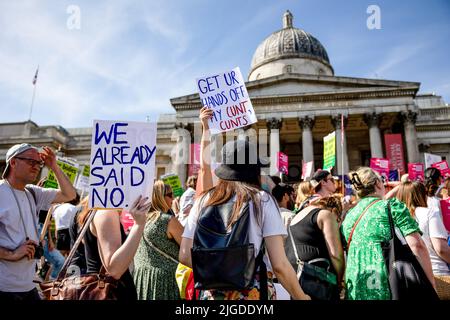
{"x":240,"y":162}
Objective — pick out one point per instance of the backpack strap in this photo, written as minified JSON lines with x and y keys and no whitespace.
{"x":259,"y":262}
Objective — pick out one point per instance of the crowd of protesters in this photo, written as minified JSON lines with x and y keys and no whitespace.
{"x":288,"y":226}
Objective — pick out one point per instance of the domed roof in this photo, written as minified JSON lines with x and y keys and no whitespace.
{"x":289,"y":42}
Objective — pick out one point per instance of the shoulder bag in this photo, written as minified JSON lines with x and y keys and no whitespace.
{"x":91,"y":286}
{"x":317,"y":282}
{"x":407,"y":279}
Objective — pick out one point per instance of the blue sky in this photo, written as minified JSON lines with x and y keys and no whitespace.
{"x":130,"y":57}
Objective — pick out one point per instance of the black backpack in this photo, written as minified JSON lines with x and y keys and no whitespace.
{"x":225,"y":259}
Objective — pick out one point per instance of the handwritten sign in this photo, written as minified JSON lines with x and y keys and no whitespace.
{"x":70,"y":168}
{"x":329,"y":151}
{"x":122,"y":163}
{"x":415,"y":171}
{"x":307,"y":170}
{"x":431,"y":158}
{"x":381,"y":166}
{"x":442,"y":166}
{"x":282,"y":162}
{"x":225,"y":93}
{"x":174,"y":182}
{"x":83,"y":179}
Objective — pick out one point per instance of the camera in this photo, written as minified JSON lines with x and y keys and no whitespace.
{"x":38,"y":251}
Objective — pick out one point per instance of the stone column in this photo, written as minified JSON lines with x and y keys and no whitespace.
{"x":274,"y":125}
{"x":376,"y":147}
{"x":336,"y":120}
{"x":409,"y":122}
{"x":182,"y":151}
{"x":307,"y":123}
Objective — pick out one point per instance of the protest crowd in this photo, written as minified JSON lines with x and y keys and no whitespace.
{"x":234,"y":233}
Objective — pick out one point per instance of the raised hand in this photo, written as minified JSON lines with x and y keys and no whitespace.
{"x":206,"y":113}
{"x":49,"y":157}
{"x":139,"y":210}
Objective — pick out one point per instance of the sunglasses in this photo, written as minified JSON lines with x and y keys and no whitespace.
{"x":32,"y":162}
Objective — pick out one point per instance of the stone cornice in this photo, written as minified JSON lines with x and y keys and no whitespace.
{"x":193,"y":101}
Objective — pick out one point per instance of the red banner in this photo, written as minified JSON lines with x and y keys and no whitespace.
{"x":394,"y":151}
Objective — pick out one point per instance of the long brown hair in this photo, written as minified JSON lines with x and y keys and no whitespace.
{"x":159,"y":204}
{"x":413,"y":194}
{"x":84,"y":211}
{"x":332,"y":203}
{"x":243,"y":191}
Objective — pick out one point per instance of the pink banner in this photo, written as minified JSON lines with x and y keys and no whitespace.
{"x":394,"y":151}
{"x":445,"y":210}
{"x":415,"y":171}
{"x":282,"y":163}
{"x":194,"y":165}
{"x":443,"y":168}
{"x":381,"y":166}
{"x":127,"y":221}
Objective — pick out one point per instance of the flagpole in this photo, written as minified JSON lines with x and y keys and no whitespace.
{"x":342,"y":154}
{"x":32,"y":102}
{"x":34,"y":92}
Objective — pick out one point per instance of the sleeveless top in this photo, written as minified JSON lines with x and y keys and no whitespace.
{"x":127,"y":290}
{"x":309,"y":241}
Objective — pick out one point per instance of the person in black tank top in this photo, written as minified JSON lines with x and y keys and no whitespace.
{"x":106,"y":234}
{"x":316,"y":234}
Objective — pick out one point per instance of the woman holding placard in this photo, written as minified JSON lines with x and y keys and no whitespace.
{"x":106,"y":244}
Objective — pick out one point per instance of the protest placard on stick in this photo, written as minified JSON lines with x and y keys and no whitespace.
{"x":122,"y":163}
{"x":225,"y":93}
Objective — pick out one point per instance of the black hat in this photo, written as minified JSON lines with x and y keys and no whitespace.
{"x":240,"y":162}
{"x":319,"y":176}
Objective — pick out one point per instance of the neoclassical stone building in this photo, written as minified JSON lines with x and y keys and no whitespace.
{"x":298,"y":100}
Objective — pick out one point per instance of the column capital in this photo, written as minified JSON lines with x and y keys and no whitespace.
{"x":373,"y":119}
{"x":183,"y":125}
{"x":408,"y":117}
{"x":274,"y":123}
{"x":336,"y":121}
{"x":306,"y":122}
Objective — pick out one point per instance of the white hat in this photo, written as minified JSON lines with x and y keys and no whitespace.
{"x":15,"y":150}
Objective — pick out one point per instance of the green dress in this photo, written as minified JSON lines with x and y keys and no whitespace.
{"x":154,"y":274}
{"x":366,"y":273}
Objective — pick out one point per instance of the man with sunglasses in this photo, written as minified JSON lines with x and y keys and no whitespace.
{"x":20,"y":201}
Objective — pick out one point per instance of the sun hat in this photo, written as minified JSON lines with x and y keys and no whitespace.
{"x":14,"y":151}
{"x":239,"y":162}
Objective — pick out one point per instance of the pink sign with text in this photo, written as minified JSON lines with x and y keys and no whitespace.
{"x":415,"y":171}
{"x":282,"y":162}
{"x":443,"y":168}
{"x":445,"y":210}
{"x":381,"y":166}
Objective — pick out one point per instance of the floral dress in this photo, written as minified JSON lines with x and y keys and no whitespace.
{"x":154,"y":274}
{"x":366,"y":273}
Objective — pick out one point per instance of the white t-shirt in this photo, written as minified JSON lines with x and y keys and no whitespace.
{"x":434,"y":202}
{"x":17,"y":276}
{"x":432,"y":226}
{"x":272,"y":224}
{"x":187,"y":200}
{"x":63,"y":215}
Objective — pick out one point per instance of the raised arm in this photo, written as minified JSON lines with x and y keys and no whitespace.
{"x":66,"y":190}
{"x":116,"y":257}
{"x":205,"y":180}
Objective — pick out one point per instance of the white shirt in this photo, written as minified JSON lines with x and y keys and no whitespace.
{"x":432,"y":226}
{"x":272,"y":223}
{"x":17,"y":276}
{"x":187,"y":200}
{"x":63,"y":215}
